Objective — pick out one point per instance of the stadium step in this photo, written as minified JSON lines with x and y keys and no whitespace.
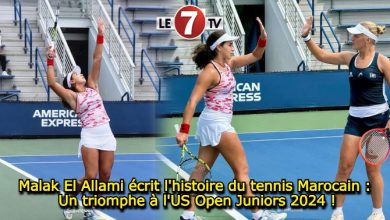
{"x":145,"y":21}
{"x":157,"y":34}
{"x":147,"y":37}
{"x":162,"y":47}
{"x":145,"y":8}
{"x":168,"y":63}
{"x":9,"y":91}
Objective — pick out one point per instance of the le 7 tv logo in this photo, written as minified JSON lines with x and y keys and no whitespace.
{"x":189,"y":22}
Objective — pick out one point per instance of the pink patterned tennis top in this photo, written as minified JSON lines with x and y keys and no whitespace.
{"x":90,"y":109}
{"x":220,"y":97}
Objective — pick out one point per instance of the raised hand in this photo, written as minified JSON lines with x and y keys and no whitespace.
{"x":263,"y":33}
{"x":307,"y":26}
{"x":100,"y":25}
{"x":51,"y":52}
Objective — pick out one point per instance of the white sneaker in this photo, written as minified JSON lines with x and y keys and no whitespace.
{"x":337,"y":216}
{"x":4,"y":73}
{"x":195,"y":217}
{"x":90,"y":214}
{"x":376,"y":216}
{"x":68,"y":213}
{"x":269,"y":215}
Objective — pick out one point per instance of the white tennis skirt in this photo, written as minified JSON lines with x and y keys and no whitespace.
{"x":100,"y":137}
{"x":211,"y":125}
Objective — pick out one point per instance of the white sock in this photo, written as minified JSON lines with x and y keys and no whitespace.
{"x":188,"y":214}
{"x":257,"y":215}
{"x":379,"y":211}
{"x":339,"y":210}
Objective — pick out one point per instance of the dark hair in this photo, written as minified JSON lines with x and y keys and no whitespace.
{"x":202,"y":54}
{"x":65,"y":84}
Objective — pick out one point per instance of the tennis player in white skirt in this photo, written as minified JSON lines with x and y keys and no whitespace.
{"x":215,"y":84}
{"x":97,"y":144}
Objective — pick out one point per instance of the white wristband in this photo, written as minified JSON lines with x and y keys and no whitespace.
{"x":307,"y":38}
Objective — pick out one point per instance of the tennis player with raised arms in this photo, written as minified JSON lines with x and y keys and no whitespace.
{"x":215,"y":84}
{"x":97,"y":144}
{"x":368,"y":71}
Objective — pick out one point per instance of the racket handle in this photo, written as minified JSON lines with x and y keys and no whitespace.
{"x":388,"y":132}
{"x":177,"y":128}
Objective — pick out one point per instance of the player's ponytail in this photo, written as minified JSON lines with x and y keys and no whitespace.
{"x":202,"y":54}
{"x":374,"y":28}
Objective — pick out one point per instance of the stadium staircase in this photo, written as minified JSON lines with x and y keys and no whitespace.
{"x":343,"y":14}
{"x":170,"y":54}
{"x":164,"y":52}
{"x":24,"y":84}
{"x":20,"y":85}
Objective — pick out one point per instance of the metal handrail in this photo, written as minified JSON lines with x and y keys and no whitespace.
{"x":294,"y":20}
{"x":28,"y":38}
{"x":121,"y":60}
{"x":171,"y":69}
{"x":156,"y":87}
{"x":120,"y":24}
{"x":204,"y":36}
{"x":311,"y":6}
{"x":191,"y":2}
{"x":4,"y":98}
{"x":303,"y":65}
{"x":111,"y":3}
{"x":64,"y":59}
{"x":39,"y":70}
{"x":322,"y":32}
{"x":232,"y":24}
{"x":125,"y":95}
{"x":18,"y":16}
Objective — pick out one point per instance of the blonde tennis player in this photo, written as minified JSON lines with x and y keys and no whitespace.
{"x":368,"y":71}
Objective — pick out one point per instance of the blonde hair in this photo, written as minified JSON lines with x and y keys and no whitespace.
{"x":373,"y":27}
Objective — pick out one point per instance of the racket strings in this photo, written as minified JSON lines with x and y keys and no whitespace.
{"x":375,"y":147}
{"x":196,"y":169}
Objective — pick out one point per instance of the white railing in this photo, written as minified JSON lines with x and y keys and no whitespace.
{"x":64,"y":60}
{"x":294,"y":18}
{"x":232,"y":23}
{"x":117,"y":51}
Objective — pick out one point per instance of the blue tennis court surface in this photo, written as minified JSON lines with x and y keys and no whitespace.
{"x":143,"y":167}
{"x":292,"y":155}
{"x":272,"y":156}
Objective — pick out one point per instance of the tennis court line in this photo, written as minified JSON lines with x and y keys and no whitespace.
{"x":75,"y":161}
{"x":265,"y":140}
{"x":69,"y":155}
{"x":265,"y":132}
{"x":298,"y":130}
{"x":232,"y":212}
{"x":33,"y":178}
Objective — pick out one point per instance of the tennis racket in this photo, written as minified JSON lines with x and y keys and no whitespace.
{"x":53,"y":31}
{"x":190,"y":163}
{"x":374,"y":146}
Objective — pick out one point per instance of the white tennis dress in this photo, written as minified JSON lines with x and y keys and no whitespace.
{"x":216,"y":117}
{"x":96,"y":132}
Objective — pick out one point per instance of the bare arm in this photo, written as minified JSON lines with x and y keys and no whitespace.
{"x":257,"y":53}
{"x":384,"y":67}
{"x":93,"y":78}
{"x":206,"y":79}
{"x":67,"y":95}
{"x":342,"y":58}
